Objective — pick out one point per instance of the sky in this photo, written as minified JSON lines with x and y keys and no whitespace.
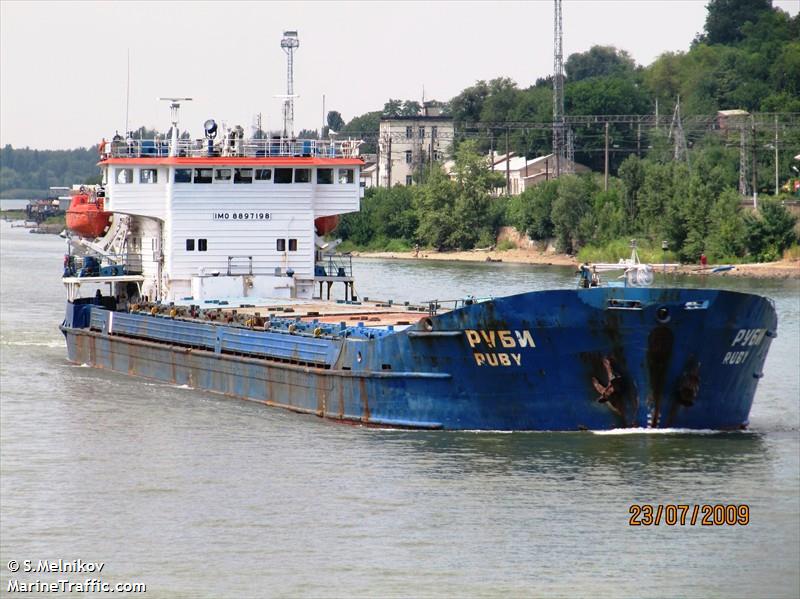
{"x":63,"y":65}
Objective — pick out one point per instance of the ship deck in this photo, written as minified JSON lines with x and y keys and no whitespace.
{"x":371,"y":313}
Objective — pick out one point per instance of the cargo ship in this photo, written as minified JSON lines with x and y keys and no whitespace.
{"x":215,"y":273}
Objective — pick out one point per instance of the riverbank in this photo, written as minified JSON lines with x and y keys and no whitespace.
{"x":783,"y":269}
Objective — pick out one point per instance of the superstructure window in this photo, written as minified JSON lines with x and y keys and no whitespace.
{"x":190,"y":245}
{"x":302,"y":175}
{"x":283,"y":175}
{"x":346,"y":176}
{"x":263,"y":174}
{"x":409,"y":132}
{"x":202,"y":245}
{"x":324,"y":176}
{"x":183,"y":175}
{"x":222,"y":174}
{"x":202,"y":175}
{"x":148,"y":175}
{"x":408,"y":156}
{"x":243,"y":175}
{"x":434,"y":130}
{"x":409,"y":180}
{"x":422,"y":132}
{"x":292,"y":245}
{"x":123,"y":175}
{"x":281,"y":245}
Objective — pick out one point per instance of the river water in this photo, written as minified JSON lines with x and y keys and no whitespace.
{"x":197,"y":495}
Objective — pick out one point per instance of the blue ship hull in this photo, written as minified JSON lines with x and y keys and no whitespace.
{"x":598,"y":358}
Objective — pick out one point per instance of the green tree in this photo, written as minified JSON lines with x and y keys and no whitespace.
{"x":530,"y":211}
{"x":631,"y":171}
{"x":335,"y":120}
{"x":727,"y":231}
{"x":726,"y":18}
{"x":392,"y":108}
{"x":770,"y":231}
{"x":570,"y":208}
{"x":599,"y":61}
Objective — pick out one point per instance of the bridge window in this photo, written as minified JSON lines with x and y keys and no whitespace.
{"x":281,"y":244}
{"x":202,"y":175}
{"x":183,"y":175}
{"x":243,"y":175}
{"x":409,"y":180}
{"x":263,"y":174}
{"x":409,"y":132}
{"x":292,"y":245}
{"x":222,"y":174}
{"x":283,"y":175}
{"x":346,"y":176}
{"x":408,"y":156}
{"x":148,"y":175}
{"x":324,"y":176}
{"x":190,"y":245}
{"x":124,"y":175}
{"x":422,"y":132}
{"x":302,"y":175}
{"x":202,"y":245}
{"x":434,"y":131}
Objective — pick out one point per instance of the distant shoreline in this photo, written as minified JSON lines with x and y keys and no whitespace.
{"x":783,"y":269}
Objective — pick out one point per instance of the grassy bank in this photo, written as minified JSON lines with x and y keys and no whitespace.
{"x":13,"y":214}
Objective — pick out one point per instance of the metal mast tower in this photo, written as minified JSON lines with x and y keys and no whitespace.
{"x":289,"y":43}
{"x":559,"y":141}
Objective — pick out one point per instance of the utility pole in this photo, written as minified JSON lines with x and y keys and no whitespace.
{"x":742,"y":158}
{"x":755,"y":174}
{"x":378,"y":160}
{"x":776,"y":154}
{"x":656,"y":114}
{"x":389,"y":162}
{"x":508,"y":167}
{"x":605,"y":180}
{"x":491,"y":149}
{"x":639,"y":139}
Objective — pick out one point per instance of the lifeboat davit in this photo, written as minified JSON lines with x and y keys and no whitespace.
{"x":326,"y":224}
{"x":85,"y":215}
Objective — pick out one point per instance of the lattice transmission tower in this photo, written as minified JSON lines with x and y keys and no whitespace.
{"x":559,"y":137}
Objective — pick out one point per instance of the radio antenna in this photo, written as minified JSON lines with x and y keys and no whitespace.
{"x":128,"y":93}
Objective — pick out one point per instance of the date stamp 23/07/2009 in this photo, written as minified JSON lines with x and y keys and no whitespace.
{"x":684,"y":514}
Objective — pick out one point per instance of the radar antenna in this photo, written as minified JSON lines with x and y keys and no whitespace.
{"x":175,"y":105}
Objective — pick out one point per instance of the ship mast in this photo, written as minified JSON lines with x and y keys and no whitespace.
{"x":289,"y":43}
{"x":175,"y":105}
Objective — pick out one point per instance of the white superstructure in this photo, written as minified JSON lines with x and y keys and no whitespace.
{"x":229,"y":219}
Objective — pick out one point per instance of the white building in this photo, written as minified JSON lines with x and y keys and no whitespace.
{"x":524,"y":174}
{"x":407,"y":143}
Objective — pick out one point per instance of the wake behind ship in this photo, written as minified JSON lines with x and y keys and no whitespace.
{"x":214,"y":273}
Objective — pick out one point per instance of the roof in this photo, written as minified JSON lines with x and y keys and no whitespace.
{"x":235,"y":161}
{"x":416,"y":118}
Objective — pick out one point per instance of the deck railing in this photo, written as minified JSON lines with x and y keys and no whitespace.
{"x":244,"y":148}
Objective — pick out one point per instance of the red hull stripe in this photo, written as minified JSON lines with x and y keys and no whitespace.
{"x":236,"y":161}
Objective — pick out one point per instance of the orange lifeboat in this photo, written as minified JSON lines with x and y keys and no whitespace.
{"x":326,"y":224}
{"x":85,"y":215}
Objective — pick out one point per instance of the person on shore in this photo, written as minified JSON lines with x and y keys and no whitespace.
{"x":703,"y":260}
